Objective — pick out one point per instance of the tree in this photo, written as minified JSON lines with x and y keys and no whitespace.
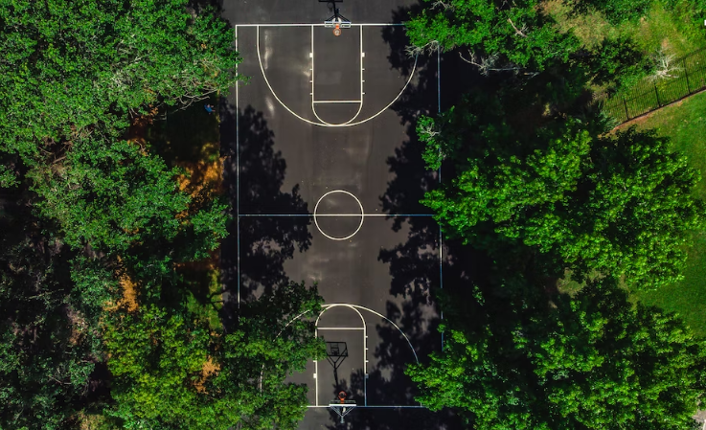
{"x":594,"y":361}
{"x":172,"y":373}
{"x":498,"y":36}
{"x":71,"y":74}
{"x":113,"y":197}
{"x":617,"y":62}
{"x":48,"y":330}
{"x":617,"y":205}
{"x":68,"y":66}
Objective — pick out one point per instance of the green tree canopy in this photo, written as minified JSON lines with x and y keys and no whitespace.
{"x":170,"y":373}
{"x":497,"y":35}
{"x":594,"y":361}
{"x":617,"y":204}
{"x":112,"y":196}
{"x":48,"y":330}
{"x":71,"y":75}
{"x":69,"y":65}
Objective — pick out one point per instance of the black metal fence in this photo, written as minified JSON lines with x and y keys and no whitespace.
{"x":690,"y":77}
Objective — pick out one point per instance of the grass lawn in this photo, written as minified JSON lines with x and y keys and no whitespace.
{"x":685,"y":124}
{"x":672,"y":26}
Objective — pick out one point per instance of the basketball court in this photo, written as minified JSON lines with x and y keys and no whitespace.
{"x":326,"y":191}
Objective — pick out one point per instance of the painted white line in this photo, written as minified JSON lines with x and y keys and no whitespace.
{"x":365,"y":346}
{"x":376,"y":406}
{"x":362,"y":217}
{"x":319,"y":215}
{"x":320,"y":24}
{"x":333,"y":305}
{"x":237,"y":169}
{"x":340,"y":328}
{"x":327,"y":307}
{"x":336,"y":101}
{"x":269,"y":86}
{"x":316,"y":376}
{"x":348,"y":215}
{"x":362,"y":92}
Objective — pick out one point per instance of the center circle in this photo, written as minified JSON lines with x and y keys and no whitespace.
{"x":317,"y":215}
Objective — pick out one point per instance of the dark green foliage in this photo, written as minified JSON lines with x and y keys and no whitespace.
{"x":505,"y":35}
{"x":157,"y":357}
{"x":69,"y":65}
{"x":590,"y":362}
{"x":109,"y":195}
{"x":112,"y":196}
{"x":612,"y":205}
{"x":48,"y":334}
{"x":618,"y":62}
{"x":71,"y":74}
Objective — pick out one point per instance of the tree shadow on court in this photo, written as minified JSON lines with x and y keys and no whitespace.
{"x":387,"y":383}
{"x":265,"y":242}
{"x":415,"y":264}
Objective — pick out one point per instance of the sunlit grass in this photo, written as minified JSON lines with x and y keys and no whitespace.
{"x":591,"y":28}
{"x":685,"y":124}
{"x":672,"y":28}
{"x":665,"y":28}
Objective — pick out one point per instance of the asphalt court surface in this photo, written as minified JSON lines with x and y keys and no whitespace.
{"x":321,"y":158}
{"x":317,"y":136}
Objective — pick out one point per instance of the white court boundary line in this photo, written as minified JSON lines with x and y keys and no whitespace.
{"x":238,"y":214}
{"x":361,"y":215}
{"x":274,"y":94}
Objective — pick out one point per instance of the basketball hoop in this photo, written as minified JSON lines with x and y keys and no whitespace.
{"x":342,"y":406}
{"x":338,"y":22}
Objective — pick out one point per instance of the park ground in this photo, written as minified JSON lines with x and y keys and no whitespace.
{"x":684,"y":124}
{"x":670,"y":29}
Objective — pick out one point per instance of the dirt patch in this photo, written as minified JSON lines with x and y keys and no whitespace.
{"x":129,"y":294}
{"x":78,"y":325}
{"x":138,"y":127}
{"x":203,"y":179}
{"x":209,"y":368}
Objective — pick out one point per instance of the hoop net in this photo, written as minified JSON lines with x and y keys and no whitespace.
{"x":337,"y":30}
